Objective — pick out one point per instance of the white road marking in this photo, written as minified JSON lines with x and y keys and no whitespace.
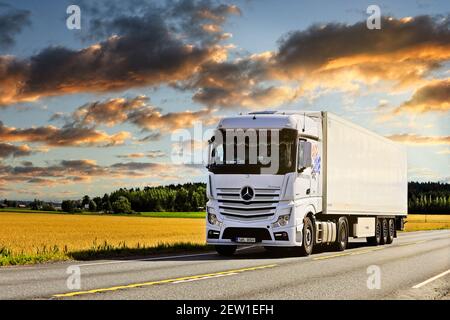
{"x":155,"y":258}
{"x":431,"y":279}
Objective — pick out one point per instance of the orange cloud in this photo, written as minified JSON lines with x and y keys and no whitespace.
{"x":435,"y":96}
{"x":10,"y":150}
{"x":62,"y":137}
{"x":413,"y":139}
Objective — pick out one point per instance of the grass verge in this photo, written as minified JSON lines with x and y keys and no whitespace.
{"x":103,"y":250}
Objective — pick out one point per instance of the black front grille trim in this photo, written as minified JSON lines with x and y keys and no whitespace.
{"x":247,"y":209}
{"x":247,"y":216}
{"x":247,"y":203}
{"x":258,"y":233}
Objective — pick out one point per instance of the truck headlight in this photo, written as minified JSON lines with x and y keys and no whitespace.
{"x":212,"y":218}
{"x":282,"y":221}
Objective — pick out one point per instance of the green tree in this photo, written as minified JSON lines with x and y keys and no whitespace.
{"x":69,"y":206}
{"x":121,"y":205}
{"x":92,"y":206}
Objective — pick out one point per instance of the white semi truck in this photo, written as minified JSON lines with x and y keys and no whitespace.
{"x":327,"y":180}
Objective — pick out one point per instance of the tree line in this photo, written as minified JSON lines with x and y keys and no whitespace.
{"x":423,"y":198}
{"x":171,"y":198}
{"x":428,"y":198}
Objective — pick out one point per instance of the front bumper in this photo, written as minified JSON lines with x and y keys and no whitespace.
{"x":228,"y":237}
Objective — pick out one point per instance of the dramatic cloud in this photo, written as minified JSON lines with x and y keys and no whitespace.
{"x":137,"y":111}
{"x":81,"y":171}
{"x":62,"y":137}
{"x":413,"y":139}
{"x":433,"y":97}
{"x":109,"y":112}
{"x":12,"y":21}
{"x":142,"y":50}
{"x":152,"y":119}
{"x":10,"y":150}
{"x":404,"y":50}
{"x":328,"y":57}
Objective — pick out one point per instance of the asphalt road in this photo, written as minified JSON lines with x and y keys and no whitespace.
{"x":415,"y":266}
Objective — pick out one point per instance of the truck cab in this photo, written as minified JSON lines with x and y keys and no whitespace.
{"x":264,"y":201}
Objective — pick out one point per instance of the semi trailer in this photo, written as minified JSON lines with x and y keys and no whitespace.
{"x":302,"y":179}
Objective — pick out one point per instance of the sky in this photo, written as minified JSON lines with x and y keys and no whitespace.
{"x":91,"y":109}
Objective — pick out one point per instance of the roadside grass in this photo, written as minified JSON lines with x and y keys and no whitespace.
{"x":419,"y":222}
{"x":174,"y":214}
{"x":103,"y":250}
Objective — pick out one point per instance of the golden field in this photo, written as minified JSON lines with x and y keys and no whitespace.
{"x":417,"y":222}
{"x":28,"y":232}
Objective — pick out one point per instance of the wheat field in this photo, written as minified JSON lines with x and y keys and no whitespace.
{"x":418,"y":222}
{"x":28,"y":232}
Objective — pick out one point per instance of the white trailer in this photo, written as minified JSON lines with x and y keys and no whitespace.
{"x":332,"y":180}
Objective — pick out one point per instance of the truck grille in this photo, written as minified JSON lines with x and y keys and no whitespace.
{"x":263,"y":204}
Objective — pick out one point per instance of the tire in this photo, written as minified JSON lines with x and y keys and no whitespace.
{"x":384,"y":231}
{"x":342,"y":234}
{"x":226,"y":251}
{"x":376,"y":240}
{"x":391,"y":231}
{"x":308,"y":238}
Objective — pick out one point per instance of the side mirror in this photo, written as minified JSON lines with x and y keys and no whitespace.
{"x":304,"y":155}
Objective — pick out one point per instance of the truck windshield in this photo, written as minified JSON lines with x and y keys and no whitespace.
{"x":253,"y":151}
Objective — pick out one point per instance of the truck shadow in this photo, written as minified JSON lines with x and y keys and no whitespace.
{"x":207,"y":254}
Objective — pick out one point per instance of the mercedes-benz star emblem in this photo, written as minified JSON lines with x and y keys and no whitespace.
{"x":247,"y":193}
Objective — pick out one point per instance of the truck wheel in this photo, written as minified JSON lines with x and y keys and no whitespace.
{"x":342,"y":234}
{"x":384,"y":231}
{"x":226,"y":251}
{"x":391,"y":231}
{"x":308,"y":238}
{"x":376,"y":240}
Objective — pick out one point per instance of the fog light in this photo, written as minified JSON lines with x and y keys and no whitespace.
{"x":212,"y":234}
{"x":281,"y":236}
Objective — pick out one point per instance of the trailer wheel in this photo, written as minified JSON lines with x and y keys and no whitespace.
{"x":342,"y":234}
{"x":391,"y":231}
{"x":376,"y":240}
{"x":384,"y":231}
{"x":308,"y":238}
{"x":226,"y":251}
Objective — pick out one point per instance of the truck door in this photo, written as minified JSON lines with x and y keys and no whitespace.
{"x":303,"y":181}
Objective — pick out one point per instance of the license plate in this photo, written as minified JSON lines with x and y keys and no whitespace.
{"x":246,"y":240}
